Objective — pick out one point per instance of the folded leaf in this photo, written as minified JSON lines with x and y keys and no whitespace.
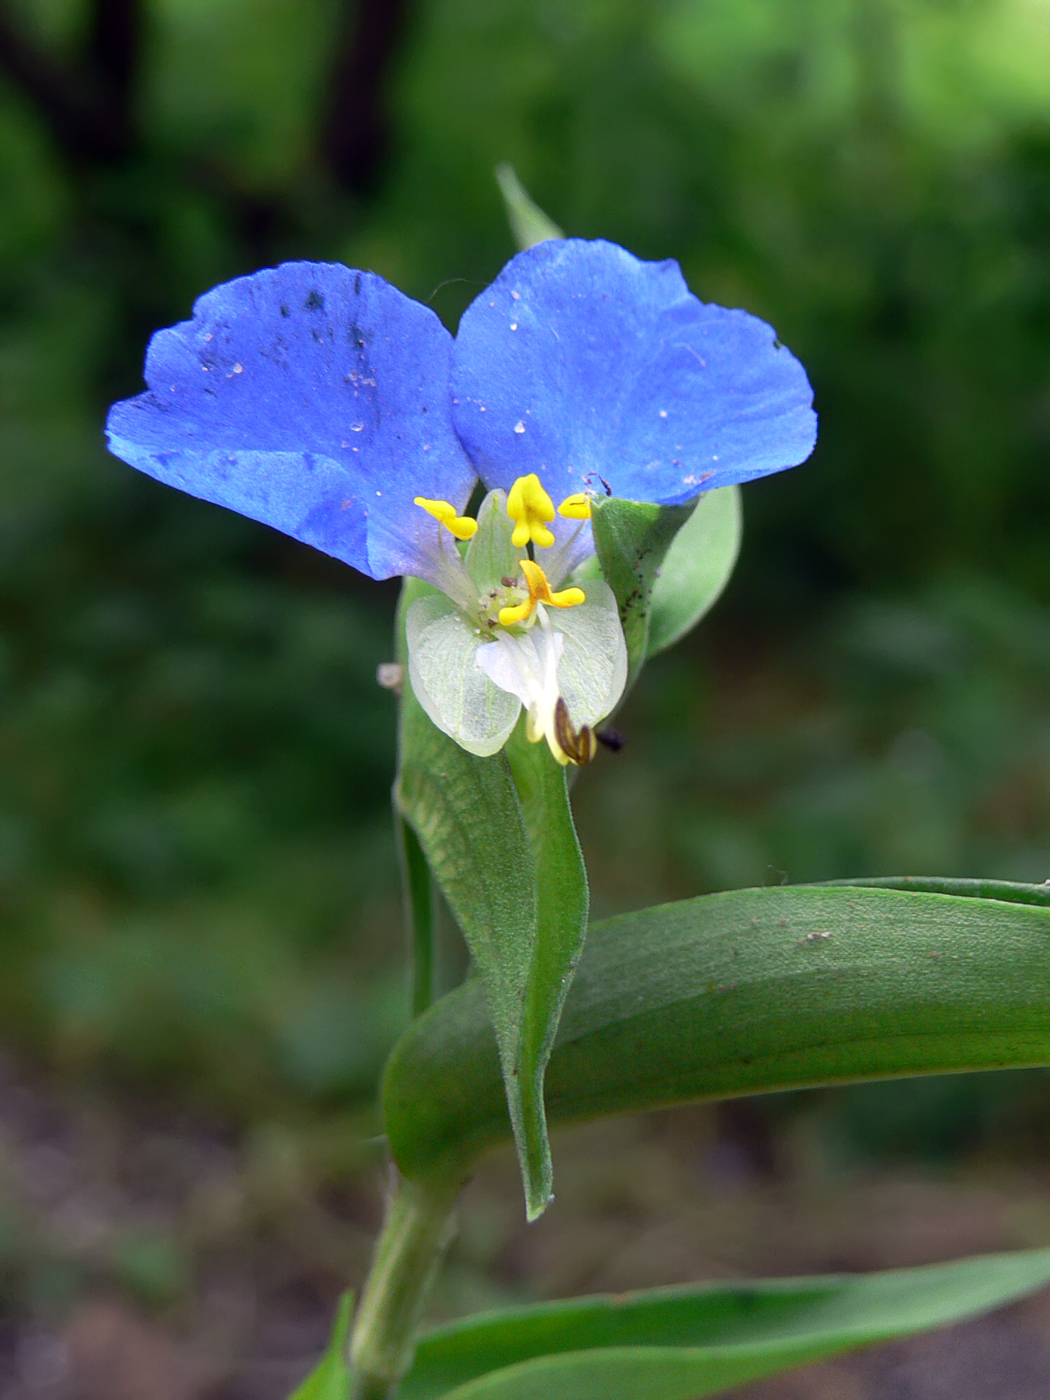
{"x":487,"y":827}
{"x":681,"y":1343}
{"x":745,"y":992}
{"x":562,"y":905}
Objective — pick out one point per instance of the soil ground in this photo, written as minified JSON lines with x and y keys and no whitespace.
{"x":148,"y":1257}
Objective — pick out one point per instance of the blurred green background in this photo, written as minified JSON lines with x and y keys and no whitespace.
{"x":197,"y":876}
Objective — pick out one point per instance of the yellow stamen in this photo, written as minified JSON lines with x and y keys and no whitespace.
{"x":539,"y":592}
{"x":460,"y":525}
{"x":529,"y":506}
{"x":576,"y":507}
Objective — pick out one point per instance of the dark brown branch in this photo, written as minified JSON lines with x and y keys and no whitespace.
{"x":85,"y":126}
{"x":355,"y":136}
{"x":114,"y":49}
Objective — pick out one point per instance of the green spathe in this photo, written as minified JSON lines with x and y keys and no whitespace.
{"x":632,"y":539}
{"x":529,"y":224}
{"x":488,"y":828}
{"x":696,"y":568}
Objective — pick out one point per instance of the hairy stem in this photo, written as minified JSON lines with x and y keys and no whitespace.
{"x":415,"y":1234}
{"x":419,"y":911}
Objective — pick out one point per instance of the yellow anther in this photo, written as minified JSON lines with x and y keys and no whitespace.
{"x":460,"y":525}
{"x":529,"y":506}
{"x":539,"y":592}
{"x":576,"y":507}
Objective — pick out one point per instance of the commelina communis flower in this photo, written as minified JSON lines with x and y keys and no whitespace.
{"x":325,"y":403}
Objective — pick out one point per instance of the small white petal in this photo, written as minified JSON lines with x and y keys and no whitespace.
{"x":592,"y":671}
{"x":525,"y":665}
{"x":447,"y":681}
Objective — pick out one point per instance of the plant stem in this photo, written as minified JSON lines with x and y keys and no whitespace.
{"x":418,"y":885}
{"x":415,"y":1233}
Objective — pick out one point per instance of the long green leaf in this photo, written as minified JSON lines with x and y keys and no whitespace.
{"x":632,"y":539}
{"x":487,"y":827}
{"x":696,"y":568}
{"x":744,"y":992}
{"x":682,"y":1343}
{"x":950,"y":884}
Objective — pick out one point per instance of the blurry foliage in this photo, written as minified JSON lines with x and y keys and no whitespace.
{"x":195,"y":866}
{"x":904,"y":735}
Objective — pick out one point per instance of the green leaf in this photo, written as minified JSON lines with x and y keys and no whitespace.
{"x":681,"y":1343}
{"x":696,"y":568}
{"x":746,"y":992}
{"x":632,"y":538}
{"x":456,"y":693}
{"x":330,"y":1378}
{"x":488,"y":848}
{"x":528,"y":223}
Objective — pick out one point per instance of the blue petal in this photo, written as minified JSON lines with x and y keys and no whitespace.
{"x":313,"y":398}
{"x":594,"y":369}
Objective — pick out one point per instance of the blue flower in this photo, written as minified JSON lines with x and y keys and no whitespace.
{"x":323,"y":402}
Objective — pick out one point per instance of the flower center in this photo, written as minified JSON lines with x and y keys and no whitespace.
{"x":530,"y":509}
{"x":526,"y":665}
{"x":513,"y":613}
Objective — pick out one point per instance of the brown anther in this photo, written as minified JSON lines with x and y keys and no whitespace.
{"x":578,"y":745}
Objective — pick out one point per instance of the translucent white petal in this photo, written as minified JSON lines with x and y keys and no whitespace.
{"x":525,"y":665}
{"x":592,"y":671}
{"x":447,"y":681}
{"x":576,"y":654}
